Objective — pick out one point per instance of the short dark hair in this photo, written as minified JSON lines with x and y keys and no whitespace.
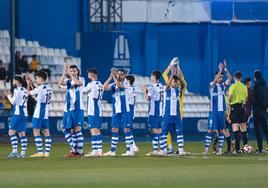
{"x":131,"y":79}
{"x":92,"y":70}
{"x":238,"y":75}
{"x":257,"y":74}
{"x":34,"y":56}
{"x":247,"y":80}
{"x":175,"y":77}
{"x":20,"y":79}
{"x":75,"y":67}
{"x":42,"y":74}
{"x":122,"y":70}
{"x":157,"y":74}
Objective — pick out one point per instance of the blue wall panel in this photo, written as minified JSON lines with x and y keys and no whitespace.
{"x":4,"y":14}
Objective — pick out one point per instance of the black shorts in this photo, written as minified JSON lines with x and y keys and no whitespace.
{"x":238,"y":113}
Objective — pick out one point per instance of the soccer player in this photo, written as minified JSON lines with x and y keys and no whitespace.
{"x":132,"y":102}
{"x":40,"y":121}
{"x":155,"y":96}
{"x":121,"y":111}
{"x":237,"y":98}
{"x":172,"y":118}
{"x":73,"y":120}
{"x":174,"y":62}
{"x":19,"y":117}
{"x":94,"y":90}
{"x":217,"y":90}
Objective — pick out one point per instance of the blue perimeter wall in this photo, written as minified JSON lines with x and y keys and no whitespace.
{"x":199,"y":46}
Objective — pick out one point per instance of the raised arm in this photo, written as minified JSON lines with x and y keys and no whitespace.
{"x":218,"y":74}
{"x":62,"y":78}
{"x":229,"y":76}
{"x":146,"y":92}
{"x":106,"y":84}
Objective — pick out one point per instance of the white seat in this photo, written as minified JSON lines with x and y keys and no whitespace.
{"x":30,"y":43}
{"x":50,"y":52}
{"x":36,"y":44}
{"x":6,"y":34}
{"x":63,"y":52}
{"x":22,"y":42}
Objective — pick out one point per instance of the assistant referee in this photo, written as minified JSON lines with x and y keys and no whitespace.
{"x":237,"y":99}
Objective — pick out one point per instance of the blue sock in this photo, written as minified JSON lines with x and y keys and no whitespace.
{"x":114,"y":141}
{"x":23,"y":142}
{"x":14,"y":143}
{"x":99,"y":142}
{"x":79,"y":142}
{"x":38,"y":143}
{"x":128,"y":140}
{"x":74,"y":142}
{"x":221,"y":140}
{"x":94,"y":144}
{"x":155,"y":141}
{"x":208,"y":139}
{"x":47,"y":144}
{"x":163,"y":142}
{"x":68,"y":136}
{"x":180,"y":139}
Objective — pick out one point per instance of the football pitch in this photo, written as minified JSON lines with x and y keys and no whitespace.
{"x":139,"y":171}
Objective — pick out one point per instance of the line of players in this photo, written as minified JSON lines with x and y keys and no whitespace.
{"x":164,"y":111}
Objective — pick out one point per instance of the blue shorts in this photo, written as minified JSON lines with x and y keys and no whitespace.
{"x":155,"y":122}
{"x":39,"y":123}
{"x":94,"y":122}
{"x":121,"y":120}
{"x":170,"y":123}
{"x":218,"y":121}
{"x":73,"y":119}
{"x":18,"y":123}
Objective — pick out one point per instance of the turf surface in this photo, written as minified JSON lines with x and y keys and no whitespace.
{"x":139,"y":171}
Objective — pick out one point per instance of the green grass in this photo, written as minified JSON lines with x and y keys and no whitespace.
{"x":139,"y":171}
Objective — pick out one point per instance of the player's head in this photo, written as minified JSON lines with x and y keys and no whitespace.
{"x":92,"y":74}
{"x":155,"y":76}
{"x":130,"y":79}
{"x":257,"y":75}
{"x":18,"y":81}
{"x":238,"y":76}
{"x":220,"y":78}
{"x":248,"y":82}
{"x":121,"y":73}
{"x":174,"y":81}
{"x":74,"y":71}
{"x":41,"y":77}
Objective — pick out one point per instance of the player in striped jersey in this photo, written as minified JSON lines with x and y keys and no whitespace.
{"x":132,"y":103}
{"x":73,"y":119}
{"x":120,"y":118}
{"x":172,"y":117}
{"x":19,"y":117}
{"x":155,"y":96}
{"x":217,"y":90}
{"x":40,"y":121}
{"x":94,"y":90}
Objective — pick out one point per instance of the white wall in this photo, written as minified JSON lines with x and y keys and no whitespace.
{"x":163,"y":11}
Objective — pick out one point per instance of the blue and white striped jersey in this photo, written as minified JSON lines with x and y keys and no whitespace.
{"x":217,"y":97}
{"x":74,"y":95}
{"x":131,"y":95}
{"x":120,"y":98}
{"x":19,"y":101}
{"x":172,"y":101}
{"x":43,"y":95}
{"x":94,"y":92}
{"x":156,"y":94}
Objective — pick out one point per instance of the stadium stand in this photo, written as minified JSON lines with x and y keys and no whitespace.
{"x":194,"y":105}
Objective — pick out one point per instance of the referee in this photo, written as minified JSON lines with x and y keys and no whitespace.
{"x":237,"y":100}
